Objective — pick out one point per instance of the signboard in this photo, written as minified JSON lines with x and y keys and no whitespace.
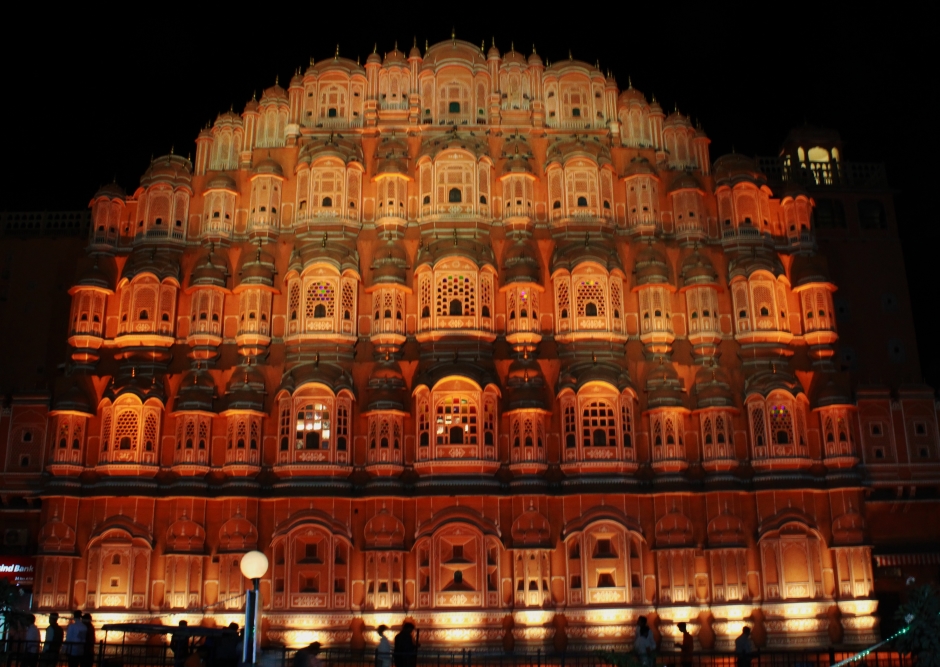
{"x":18,"y":570}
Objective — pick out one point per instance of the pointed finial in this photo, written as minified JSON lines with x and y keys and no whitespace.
{"x":453,"y":33}
{"x":629,"y":82}
{"x":482,"y":45}
{"x":336,"y":55}
{"x":396,"y":45}
{"x":570,"y":57}
{"x":455,"y":236}
{"x":414,"y":41}
{"x":512,"y":47}
{"x":533,"y":50}
{"x":316,"y":360}
{"x":594,"y":357}
{"x":587,"y":238}
{"x":311,"y":61}
{"x":133,"y":371}
{"x":425,"y":46}
{"x":323,"y":242}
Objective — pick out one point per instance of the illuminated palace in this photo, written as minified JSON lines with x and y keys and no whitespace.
{"x":480,"y":340}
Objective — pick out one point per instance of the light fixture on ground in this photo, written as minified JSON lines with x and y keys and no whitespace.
{"x":254,"y":565}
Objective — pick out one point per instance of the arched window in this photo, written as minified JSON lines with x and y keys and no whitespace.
{"x":456,"y":307}
{"x":319,"y":311}
{"x":582,"y":202}
{"x":454,"y":196}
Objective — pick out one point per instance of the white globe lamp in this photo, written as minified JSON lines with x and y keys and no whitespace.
{"x":254,"y":565}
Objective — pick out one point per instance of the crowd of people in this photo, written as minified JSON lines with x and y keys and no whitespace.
{"x":76,"y":643}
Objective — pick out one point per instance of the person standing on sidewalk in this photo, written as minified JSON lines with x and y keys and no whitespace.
{"x":75,"y":639}
{"x":88,"y":659}
{"x":53,"y":641}
{"x":688,"y":645}
{"x":744,"y":647}
{"x":30,"y":642}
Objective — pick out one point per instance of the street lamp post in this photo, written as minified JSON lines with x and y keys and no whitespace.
{"x":254,"y":565}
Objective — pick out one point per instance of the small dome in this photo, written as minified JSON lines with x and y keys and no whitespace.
{"x":374,"y":59}
{"x":251,"y":106}
{"x":210,"y":270}
{"x":598,"y":250}
{"x":760,"y":259}
{"x":392,"y":154}
{"x":172,"y":170}
{"x":297,"y":80}
{"x":676,"y":119}
{"x":592,"y":148}
{"x":390,"y":264}
{"x":808,"y":269}
{"x":163,"y":263}
{"x":274,"y":95}
{"x":415,"y":52}
{"x":736,"y":168}
{"x":269,"y":166}
{"x":222,"y":181}
{"x":196,"y":392}
{"x":386,"y":387}
{"x":328,"y":374}
{"x":663,"y":386}
{"x":639,"y":165}
{"x":650,"y":267}
{"x":94,"y":276}
{"x":245,"y":390}
{"x":632,"y":96}
{"x":395,"y":57}
{"x":697,"y":269}
{"x":332,"y":145}
{"x":479,"y":253}
{"x":453,"y":50}
{"x":712,"y":389}
{"x":607,"y":371}
{"x":534,"y":58}
{"x":832,"y":393}
{"x":257,"y":269}
{"x":513,"y":57}
{"x":521,"y":264}
{"x":74,"y":399}
{"x":111,"y":191}
{"x":686,"y":181}
{"x":467,"y":141}
{"x":518,"y":156}
{"x":655,"y":108}
{"x":338,"y":253}
{"x":228,"y":118}
{"x":337,"y":64}
{"x":525,"y":385}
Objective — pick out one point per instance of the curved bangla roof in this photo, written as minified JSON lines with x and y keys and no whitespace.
{"x":525,"y":385}
{"x":196,"y":392}
{"x":257,"y":268}
{"x":387,"y":387}
{"x":650,"y":267}
{"x":453,"y":51}
{"x":163,"y":263}
{"x":338,"y":253}
{"x":521,"y":264}
{"x":211,"y":270}
{"x":468,"y":140}
{"x":95,"y":276}
{"x":74,"y":399}
{"x":111,"y":191}
{"x":697,"y":269}
{"x":712,"y":389}
{"x":746,"y":262}
{"x":591,"y":249}
{"x":268,"y":166}
{"x":390,"y":264}
{"x":663,"y":386}
{"x":332,"y":376}
{"x":479,"y":253}
{"x":332,"y":146}
{"x":172,"y":170}
{"x":429,"y":374}
{"x":578,"y":146}
{"x":517,"y":156}
{"x":808,"y":269}
{"x":581,"y":373}
{"x":735,"y":168}
{"x":245,"y":390}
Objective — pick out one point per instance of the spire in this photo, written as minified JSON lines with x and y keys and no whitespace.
{"x":570,"y":57}
{"x":336,"y":55}
{"x":453,"y":33}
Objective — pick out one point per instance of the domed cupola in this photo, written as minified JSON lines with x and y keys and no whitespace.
{"x":142,"y":382}
{"x":392,"y":175}
{"x":163,"y":201}
{"x":172,"y":170}
{"x":678,"y":135}
{"x":107,"y":214}
{"x":386,"y":410}
{"x":245,"y":390}
{"x":747,"y":262}
{"x":666,"y":412}
{"x":655,"y":291}
{"x":196,"y":392}
{"x":699,"y":285}
{"x":642,"y":186}
{"x":663,"y":386}
{"x":395,"y":58}
{"x":697,"y":269}
{"x":650,"y":267}
{"x":386,"y":387}
{"x":517,"y":176}
{"x":211,"y":270}
{"x":268,"y":167}
{"x":255,"y":290}
{"x":74,"y":400}
{"x":90,"y":296}
{"x":256,"y":270}
{"x":712,"y":389}
{"x":389,"y":290}
{"x":525,"y":385}
{"x":163,"y":264}
{"x":95,"y":277}
{"x":330,"y":375}
{"x":836,"y":411}
{"x":714,"y":409}
{"x":595,"y":249}
{"x":736,"y":168}
{"x":522,"y":285}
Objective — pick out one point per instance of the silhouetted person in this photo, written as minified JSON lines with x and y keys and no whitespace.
{"x":30,"y":642}
{"x":75,"y":639}
{"x":644,"y":645}
{"x":179,"y":643}
{"x":88,"y":658}
{"x":53,"y":641}
{"x":744,"y":647}
{"x":383,"y":654}
{"x":406,"y":646}
{"x":688,"y":645}
{"x":226,"y":648}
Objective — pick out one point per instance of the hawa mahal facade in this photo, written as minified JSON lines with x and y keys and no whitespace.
{"x":490,"y":343}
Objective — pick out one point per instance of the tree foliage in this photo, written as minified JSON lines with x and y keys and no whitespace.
{"x":921,"y":614}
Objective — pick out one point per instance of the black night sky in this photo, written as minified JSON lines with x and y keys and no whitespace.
{"x":91,"y":94}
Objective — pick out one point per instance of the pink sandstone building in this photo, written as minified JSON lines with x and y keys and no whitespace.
{"x":489,"y":343}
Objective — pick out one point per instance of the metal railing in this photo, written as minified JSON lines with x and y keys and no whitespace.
{"x":161,"y":655}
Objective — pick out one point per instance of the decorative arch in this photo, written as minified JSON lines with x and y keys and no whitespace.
{"x":597,"y":428}
{"x":314,"y":430}
{"x":118,"y":573}
{"x":791,"y":557}
{"x":311,"y":563}
{"x":604,"y":557}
